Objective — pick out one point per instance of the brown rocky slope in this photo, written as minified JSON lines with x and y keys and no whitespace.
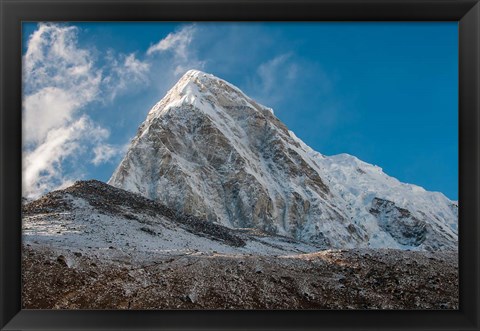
{"x":336,"y":279}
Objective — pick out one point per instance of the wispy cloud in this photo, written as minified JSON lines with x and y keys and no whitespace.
{"x":276,"y":71}
{"x":177,"y":45}
{"x":124,"y":72}
{"x":60,"y":79}
{"x":107,"y":153}
{"x":177,"y":42}
{"x":287,"y":77}
{"x":275,"y":77}
{"x":42,"y":165}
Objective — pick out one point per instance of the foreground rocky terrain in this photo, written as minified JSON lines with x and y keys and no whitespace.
{"x":338,"y":279}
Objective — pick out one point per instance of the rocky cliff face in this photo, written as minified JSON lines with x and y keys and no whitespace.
{"x":208,"y":150}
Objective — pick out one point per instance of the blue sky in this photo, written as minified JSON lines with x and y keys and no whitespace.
{"x":384,"y":92}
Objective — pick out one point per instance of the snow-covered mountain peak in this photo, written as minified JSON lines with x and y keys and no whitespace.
{"x":209,"y":150}
{"x":199,"y":76}
{"x":200,"y":91}
{"x":203,"y":79}
{"x":196,"y":72}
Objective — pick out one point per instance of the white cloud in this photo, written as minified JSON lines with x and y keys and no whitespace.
{"x":177,"y":51}
{"x":124,"y":72}
{"x":276,"y":72}
{"x":53,"y":47}
{"x":42,"y":165}
{"x":177,"y":42}
{"x":60,"y":79}
{"x":105,"y":153}
{"x":135,"y":67}
{"x":286,"y":76}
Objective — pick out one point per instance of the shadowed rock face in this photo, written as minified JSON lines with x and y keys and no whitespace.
{"x":399,"y":222}
{"x":407,"y":229}
{"x":208,"y":150}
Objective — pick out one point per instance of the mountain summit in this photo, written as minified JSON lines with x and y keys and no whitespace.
{"x":209,"y":150}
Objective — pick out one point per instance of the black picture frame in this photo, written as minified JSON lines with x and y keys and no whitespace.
{"x":14,"y":12}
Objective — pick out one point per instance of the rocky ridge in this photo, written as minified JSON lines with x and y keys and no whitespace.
{"x":101,"y":221}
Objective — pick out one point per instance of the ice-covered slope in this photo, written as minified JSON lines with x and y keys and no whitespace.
{"x":209,"y":150}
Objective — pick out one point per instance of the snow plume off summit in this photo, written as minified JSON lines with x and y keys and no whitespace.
{"x":208,"y":150}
